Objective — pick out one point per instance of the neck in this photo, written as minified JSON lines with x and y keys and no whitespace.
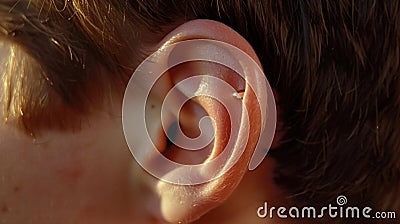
{"x":256,"y":188}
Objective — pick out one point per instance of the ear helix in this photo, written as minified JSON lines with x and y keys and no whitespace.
{"x":202,"y":85}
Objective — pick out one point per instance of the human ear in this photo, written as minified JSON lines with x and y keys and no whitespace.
{"x":203,"y":115}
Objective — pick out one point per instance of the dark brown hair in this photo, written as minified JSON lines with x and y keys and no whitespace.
{"x":335,"y":65}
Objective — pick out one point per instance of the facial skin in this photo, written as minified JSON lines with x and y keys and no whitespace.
{"x":88,"y":175}
{"x":65,"y":176}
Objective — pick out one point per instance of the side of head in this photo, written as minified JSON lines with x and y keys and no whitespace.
{"x":335,"y":70}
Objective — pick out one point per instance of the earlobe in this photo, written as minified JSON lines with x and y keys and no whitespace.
{"x":215,"y":74}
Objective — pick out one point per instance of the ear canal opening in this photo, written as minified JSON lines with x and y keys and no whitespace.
{"x":188,"y":124}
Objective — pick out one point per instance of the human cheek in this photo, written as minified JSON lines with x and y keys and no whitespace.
{"x":63,"y":175}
